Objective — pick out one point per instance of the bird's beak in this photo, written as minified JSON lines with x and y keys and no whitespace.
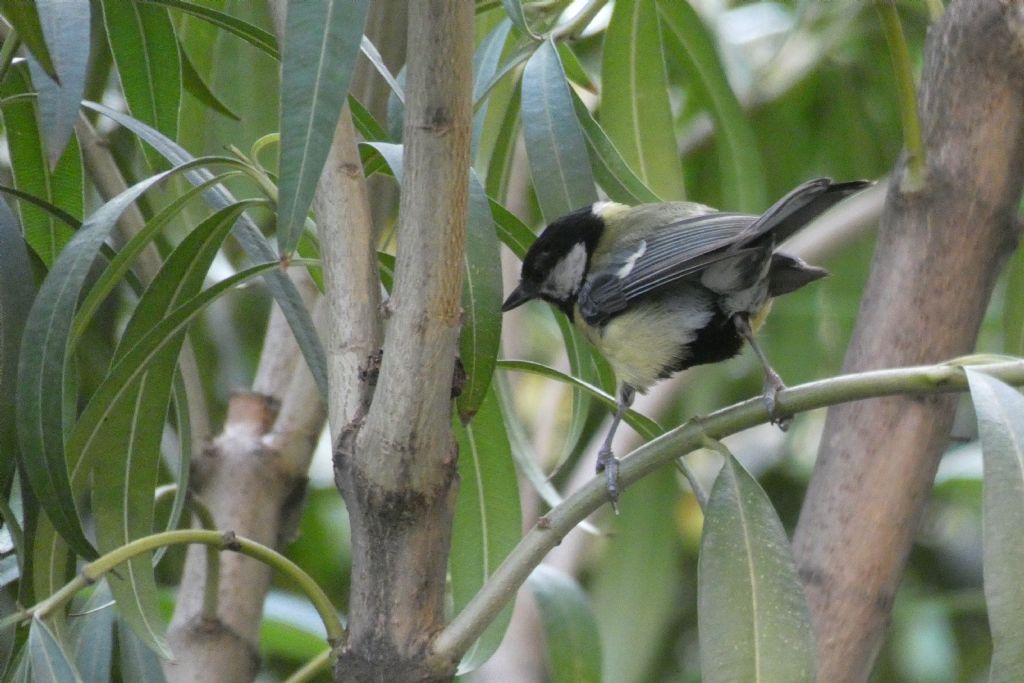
{"x":519,"y":296}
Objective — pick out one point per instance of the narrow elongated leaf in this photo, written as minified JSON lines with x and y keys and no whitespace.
{"x":125,"y":445}
{"x":555,"y":146}
{"x":50,"y":664}
{"x":145,"y":50}
{"x":18,"y":289}
{"x":372,"y":54}
{"x":640,"y":576}
{"x":635,"y":111}
{"x":612,"y":172}
{"x":742,"y":169}
{"x":1000,"y":411}
{"x":138,"y":662}
{"x":481,"y":301}
{"x":514,"y":8}
{"x":91,"y":636}
{"x":571,"y":639}
{"x":249,"y":237}
{"x":752,"y":613}
{"x":487,"y":517}
{"x":65,"y":24}
{"x":644,"y":426}
{"x":253,"y":35}
{"x":499,"y":166}
{"x":194,"y":84}
{"x":322,"y":39}
{"x":7,"y":635}
{"x":42,"y":362}
{"x":30,"y":167}
{"x":485,"y":64}
{"x":24,"y":17}
{"x":1013,"y":306}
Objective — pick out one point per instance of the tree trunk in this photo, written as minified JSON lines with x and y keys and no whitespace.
{"x":939,"y":251}
{"x":397,"y":467}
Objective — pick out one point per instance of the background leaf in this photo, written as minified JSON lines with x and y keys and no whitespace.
{"x":555,"y":147}
{"x":322,"y":39}
{"x":753,"y":616}
{"x":1000,"y":411}
{"x":481,"y":302}
{"x":65,"y":23}
{"x":487,"y":517}
{"x":30,"y":167}
{"x":570,"y":630}
{"x":18,"y":287}
{"x":635,"y":109}
{"x":145,"y":50}
{"x":50,"y":663}
{"x":743,"y":181}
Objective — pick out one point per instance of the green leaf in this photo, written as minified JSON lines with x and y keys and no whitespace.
{"x":197,"y":87}
{"x":43,"y":361}
{"x":499,"y":166}
{"x":8,"y":635}
{"x":752,"y":613}
{"x":571,"y":638}
{"x":1013,"y":306}
{"x":514,"y":8}
{"x":120,"y":265}
{"x":644,"y":426}
{"x":485,"y":64}
{"x":121,"y":439}
{"x":92,"y":636}
{"x":639,"y":576}
{"x":253,"y":35}
{"x":488,"y":522}
{"x":555,"y":146}
{"x":742,"y":169}
{"x":1000,"y":411}
{"x":24,"y":17}
{"x":613,"y":173}
{"x":481,"y":301}
{"x":252,"y":241}
{"x":138,"y":662}
{"x":322,"y":39}
{"x":50,"y":664}
{"x":145,"y":49}
{"x":66,"y":25}
{"x":372,"y":55}
{"x":635,"y":108}
{"x":18,"y":287}
{"x":30,"y":167}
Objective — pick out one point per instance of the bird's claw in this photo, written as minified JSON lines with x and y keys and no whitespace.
{"x":772,"y":386}
{"x":609,"y":464}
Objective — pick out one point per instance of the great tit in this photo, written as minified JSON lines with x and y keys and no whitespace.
{"x":662,"y":287}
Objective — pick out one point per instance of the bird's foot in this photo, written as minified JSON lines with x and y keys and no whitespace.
{"x":609,"y":464}
{"x":772,"y":386}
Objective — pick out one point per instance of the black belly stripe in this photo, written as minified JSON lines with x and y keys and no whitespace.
{"x":717,"y":341}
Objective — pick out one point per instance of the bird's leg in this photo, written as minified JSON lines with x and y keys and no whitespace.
{"x":606,"y":460}
{"x":772,"y":382}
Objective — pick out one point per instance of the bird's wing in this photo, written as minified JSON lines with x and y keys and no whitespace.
{"x":678,"y":250}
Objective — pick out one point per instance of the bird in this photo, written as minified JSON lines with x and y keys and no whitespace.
{"x":661,"y":287}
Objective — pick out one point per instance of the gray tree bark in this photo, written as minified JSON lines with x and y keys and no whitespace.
{"x":397,"y":467}
{"x":939,"y":251}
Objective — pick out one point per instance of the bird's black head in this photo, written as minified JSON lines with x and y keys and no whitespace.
{"x":557,"y":262}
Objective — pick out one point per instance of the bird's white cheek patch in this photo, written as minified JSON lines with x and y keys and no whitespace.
{"x":567,"y":275}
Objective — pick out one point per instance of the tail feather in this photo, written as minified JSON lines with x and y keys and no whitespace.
{"x":800,"y":206}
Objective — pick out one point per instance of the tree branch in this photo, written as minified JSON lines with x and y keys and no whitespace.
{"x":549,"y":530}
{"x":938,"y":254}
